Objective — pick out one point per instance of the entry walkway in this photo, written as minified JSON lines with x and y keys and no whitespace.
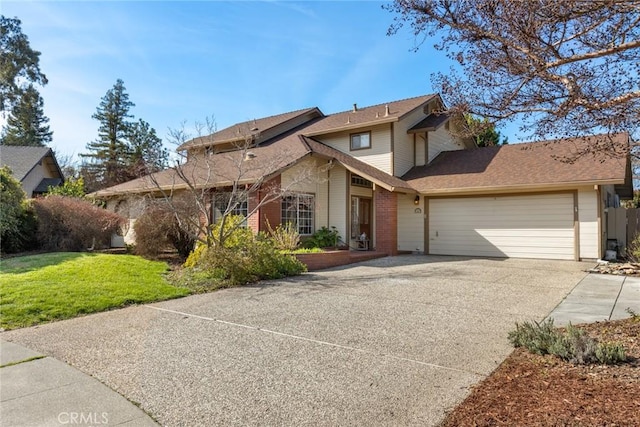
{"x":599,"y":297}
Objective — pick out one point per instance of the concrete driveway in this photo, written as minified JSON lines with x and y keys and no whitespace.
{"x":394,"y":341}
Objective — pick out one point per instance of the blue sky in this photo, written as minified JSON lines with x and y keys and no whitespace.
{"x":184,"y":61}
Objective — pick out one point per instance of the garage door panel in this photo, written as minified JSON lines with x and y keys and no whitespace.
{"x":538,"y":226}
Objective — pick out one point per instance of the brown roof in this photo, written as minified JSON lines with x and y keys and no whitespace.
{"x":430,"y":123}
{"x":220,"y":169}
{"x":240,"y":131}
{"x":368,"y":115}
{"x":522,"y":166}
{"x":363,"y":169}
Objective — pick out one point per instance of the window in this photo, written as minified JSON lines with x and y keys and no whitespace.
{"x":299,"y":209}
{"x":359,"y":181}
{"x":360,"y":140}
{"x":222,"y":202}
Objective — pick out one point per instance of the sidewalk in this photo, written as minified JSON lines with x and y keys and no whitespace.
{"x":41,"y":391}
{"x":599,"y":297}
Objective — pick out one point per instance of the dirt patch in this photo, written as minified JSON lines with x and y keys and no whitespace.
{"x":532,"y":390}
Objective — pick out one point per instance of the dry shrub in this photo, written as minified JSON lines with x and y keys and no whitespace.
{"x":164,"y":226}
{"x":72,"y":224}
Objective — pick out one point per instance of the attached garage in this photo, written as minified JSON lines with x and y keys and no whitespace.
{"x":528,"y":226}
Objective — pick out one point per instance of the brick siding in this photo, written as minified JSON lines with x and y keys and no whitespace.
{"x":386,"y":211}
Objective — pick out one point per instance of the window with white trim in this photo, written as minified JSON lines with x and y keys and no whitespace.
{"x":233,"y":204}
{"x":360,"y":141}
{"x":299,"y":209}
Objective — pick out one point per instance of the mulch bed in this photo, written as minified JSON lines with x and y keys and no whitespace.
{"x":532,"y":390}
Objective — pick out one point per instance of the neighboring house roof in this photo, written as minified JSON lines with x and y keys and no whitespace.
{"x":370,"y":116}
{"x":250,"y":128}
{"x":546,"y":164}
{"x":44,"y":185}
{"x":22,"y":159}
{"x":359,"y":167}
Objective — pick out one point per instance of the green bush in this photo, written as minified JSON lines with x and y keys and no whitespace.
{"x":535,"y":337}
{"x":574,"y":345}
{"x":323,"y":238}
{"x":241,"y":259}
{"x":285,"y":237}
{"x":11,"y":208}
{"x":72,"y":187}
{"x":25,"y":238}
{"x":610,"y":353}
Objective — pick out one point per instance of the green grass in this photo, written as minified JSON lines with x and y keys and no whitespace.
{"x":41,"y":288}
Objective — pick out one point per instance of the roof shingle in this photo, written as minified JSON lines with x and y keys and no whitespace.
{"x":21,"y":159}
{"x":520,"y":165}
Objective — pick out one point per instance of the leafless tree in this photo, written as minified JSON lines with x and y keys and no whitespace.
{"x":235,"y":172}
{"x":564,"y":67}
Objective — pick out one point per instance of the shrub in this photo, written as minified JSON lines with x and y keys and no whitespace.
{"x":535,"y":337}
{"x":610,"y":353}
{"x":158,"y":229}
{"x":285,"y":237}
{"x":25,"y":238}
{"x":241,"y":259}
{"x":324,"y":238}
{"x":574,"y":345}
{"x":11,"y":204}
{"x":71,"y":224}
{"x":633,"y":249}
{"x":72,"y":187}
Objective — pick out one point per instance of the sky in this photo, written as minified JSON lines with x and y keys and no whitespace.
{"x":182,"y":62}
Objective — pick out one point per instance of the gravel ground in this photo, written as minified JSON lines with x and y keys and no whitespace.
{"x":393,"y":341}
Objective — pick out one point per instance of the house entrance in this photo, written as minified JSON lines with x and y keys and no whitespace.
{"x":361,"y":222}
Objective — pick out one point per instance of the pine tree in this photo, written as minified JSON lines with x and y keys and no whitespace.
{"x":108,"y":156}
{"x":147,"y":153}
{"x":27,"y":124}
{"x":19,"y":64}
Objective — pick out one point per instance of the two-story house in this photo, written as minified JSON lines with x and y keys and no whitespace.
{"x":392,"y":178}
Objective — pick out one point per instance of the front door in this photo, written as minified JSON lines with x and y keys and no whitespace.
{"x":361,"y":218}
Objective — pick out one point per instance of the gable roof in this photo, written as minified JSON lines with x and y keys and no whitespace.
{"x":522,"y":166}
{"x":248,"y":129}
{"x":22,"y":159}
{"x":430,"y":123}
{"x":359,"y":167}
{"x":220,"y":169}
{"x":368,"y":116}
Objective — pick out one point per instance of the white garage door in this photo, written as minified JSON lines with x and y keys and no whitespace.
{"x":536,"y":226}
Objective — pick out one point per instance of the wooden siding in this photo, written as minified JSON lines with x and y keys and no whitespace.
{"x":338,"y":200}
{"x":441,"y":140}
{"x":379,"y":155}
{"x":305,"y":178}
{"x":421,"y":155}
{"x":410,"y":224}
{"x":535,"y":226}
{"x":588,"y":219}
{"x":404,"y":156}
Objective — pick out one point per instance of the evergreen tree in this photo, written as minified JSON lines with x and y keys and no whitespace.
{"x":27,"y":124}
{"x":19,"y":64}
{"x":147,"y":153}
{"x":109,"y":156}
{"x":483,"y":131}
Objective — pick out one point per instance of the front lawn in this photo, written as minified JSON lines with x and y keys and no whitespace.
{"x":40,"y":288}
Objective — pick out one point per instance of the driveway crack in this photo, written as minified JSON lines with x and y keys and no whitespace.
{"x":319,"y":342}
